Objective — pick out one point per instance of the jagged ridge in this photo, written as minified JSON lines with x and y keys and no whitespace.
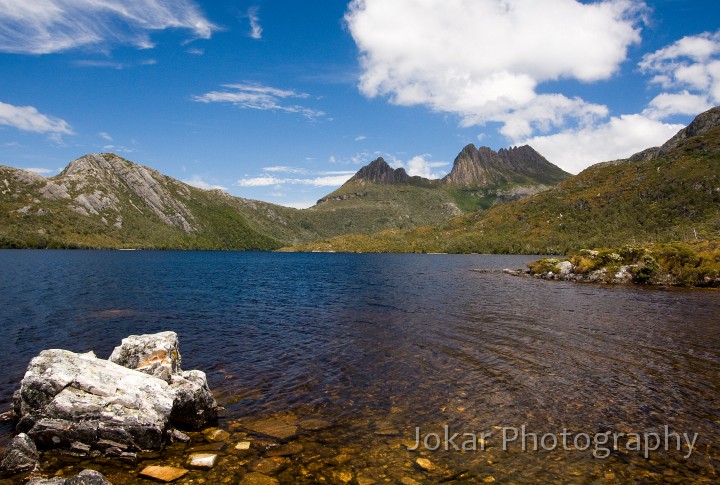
{"x":483,"y":166}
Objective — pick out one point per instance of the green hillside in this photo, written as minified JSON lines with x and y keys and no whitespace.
{"x":666,"y":194}
{"x":105,"y":201}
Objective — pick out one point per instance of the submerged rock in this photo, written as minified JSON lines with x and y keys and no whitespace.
{"x":163,"y":473}
{"x":202,"y":461}
{"x":85,"y":477}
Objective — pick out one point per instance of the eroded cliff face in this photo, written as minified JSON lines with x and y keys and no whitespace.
{"x":102,"y":185}
{"x":97,"y":179}
{"x":483,"y":166}
{"x":379,"y":171}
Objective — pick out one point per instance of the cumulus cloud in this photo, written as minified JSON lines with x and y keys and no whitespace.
{"x":619,"y":137}
{"x":259,"y":97}
{"x":421,"y":166}
{"x":45,"y":26}
{"x":28,"y":118}
{"x":484,"y":60}
{"x":200,"y":183}
{"x":255,"y":28}
{"x":688,"y":71}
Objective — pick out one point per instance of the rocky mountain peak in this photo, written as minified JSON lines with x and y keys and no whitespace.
{"x":483,"y":166}
{"x":379,"y":171}
{"x":702,"y":123}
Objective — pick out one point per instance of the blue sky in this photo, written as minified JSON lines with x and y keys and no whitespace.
{"x":282,"y":100}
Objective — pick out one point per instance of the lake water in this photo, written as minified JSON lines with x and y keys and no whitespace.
{"x":373,"y":347}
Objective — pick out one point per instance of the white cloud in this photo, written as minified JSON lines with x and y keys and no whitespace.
{"x":255,"y":28}
{"x":45,"y":26}
{"x":682,"y":103}
{"x":299,"y":204}
{"x":484,"y":60}
{"x":200,"y":183}
{"x":196,"y":51}
{"x":118,"y":149}
{"x":688,"y":71}
{"x":256,"y":96}
{"x":619,"y":137}
{"x":28,"y":118}
{"x":284,"y":169}
{"x":105,"y":136}
{"x":360,"y":138}
{"x":41,"y":171}
{"x":260,"y":181}
{"x":420,"y":166}
{"x":318,"y":181}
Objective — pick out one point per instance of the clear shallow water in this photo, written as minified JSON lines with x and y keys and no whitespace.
{"x":377,"y":345}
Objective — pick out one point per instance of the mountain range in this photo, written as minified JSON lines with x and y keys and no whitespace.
{"x":512,"y":200}
{"x":662,"y":194}
{"x":105,"y":201}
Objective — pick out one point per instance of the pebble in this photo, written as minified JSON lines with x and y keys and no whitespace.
{"x":425,"y":464}
{"x":203,"y":461}
{"x":243,"y":445}
{"x":163,"y":473}
{"x":256,"y":478}
{"x":216,"y":435}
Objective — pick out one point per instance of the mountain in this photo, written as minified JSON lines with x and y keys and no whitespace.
{"x":521,"y":165}
{"x":662,"y":194}
{"x":105,"y":201}
{"x":378,"y":171}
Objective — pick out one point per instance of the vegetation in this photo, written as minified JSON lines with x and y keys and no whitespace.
{"x":679,"y":264}
{"x":673,"y":198}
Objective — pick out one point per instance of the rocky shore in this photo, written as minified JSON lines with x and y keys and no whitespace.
{"x":674,"y":264}
{"x":84,"y":406}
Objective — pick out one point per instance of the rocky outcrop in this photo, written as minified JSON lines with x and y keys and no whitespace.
{"x":483,"y":166}
{"x":67,"y":398}
{"x":379,"y":171}
{"x":90,"y":405}
{"x":85,"y":477}
{"x":702,"y":123}
{"x":21,"y":455}
{"x":157,"y":354}
{"x":109,"y":172}
{"x":194,"y":404}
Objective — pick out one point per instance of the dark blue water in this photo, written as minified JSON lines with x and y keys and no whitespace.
{"x":372,"y":342}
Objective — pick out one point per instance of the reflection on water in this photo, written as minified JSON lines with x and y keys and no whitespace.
{"x":373,"y":346}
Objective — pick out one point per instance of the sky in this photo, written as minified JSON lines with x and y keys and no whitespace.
{"x":283,"y":101}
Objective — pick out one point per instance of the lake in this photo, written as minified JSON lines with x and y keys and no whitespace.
{"x":384,"y":349}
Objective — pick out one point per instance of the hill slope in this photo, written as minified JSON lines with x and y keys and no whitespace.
{"x":670,"y":193}
{"x":106,"y":201}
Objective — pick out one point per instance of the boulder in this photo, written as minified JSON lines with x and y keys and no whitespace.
{"x":194,"y":404}
{"x":85,"y":477}
{"x":159,"y":355}
{"x":117,"y":406}
{"x":155,"y":354}
{"x":21,"y":455}
{"x":67,"y":397}
{"x":564,"y":267}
